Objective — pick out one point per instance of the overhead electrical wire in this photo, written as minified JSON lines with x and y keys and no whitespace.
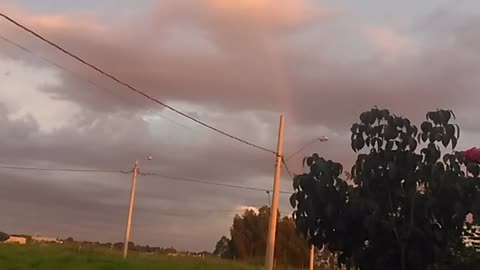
{"x":130,"y":87}
{"x":174,"y":178}
{"x":287,"y":169}
{"x":24,"y":49}
{"x":11,"y":167}
{"x":77,"y":76}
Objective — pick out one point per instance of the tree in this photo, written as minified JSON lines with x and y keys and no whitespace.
{"x":290,"y":249}
{"x":69,"y":240}
{"x":406,"y":208}
{"x":4,"y":237}
{"x":118,"y":245}
{"x":223,"y":248}
{"x":249,"y":238}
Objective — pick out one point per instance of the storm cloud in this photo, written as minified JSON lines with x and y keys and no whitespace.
{"x":235,"y":64}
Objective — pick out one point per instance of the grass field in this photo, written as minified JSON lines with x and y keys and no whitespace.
{"x":15,"y":257}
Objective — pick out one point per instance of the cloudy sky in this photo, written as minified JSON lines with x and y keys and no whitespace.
{"x":234,"y":64}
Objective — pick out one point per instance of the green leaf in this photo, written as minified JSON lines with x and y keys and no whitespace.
{"x":375,"y":113}
{"x":450,"y":130}
{"x":445,"y":141}
{"x":458,"y":131}
{"x":371,"y":118}
{"x":293,"y":200}
{"x":389,"y":146}
{"x":412,"y":144}
{"x":390,"y":120}
{"x":403,"y":145}
{"x":473,"y":169}
{"x":424,"y":137}
{"x":453,"y":114}
{"x":446,"y":158}
{"x":359,"y":143}
{"x":338,"y":168}
{"x":444,"y":116}
{"x":365,"y":118}
{"x":434,"y":116}
{"x":310,"y":161}
{"x":390,"y":132}
{"x":398,"y":122}
{"x":296,"y":182}
{"x":415,"y":131}
{"x":426,"y":127}
{"x":384,"y":113}
{"x":354,"y":128}
{"x":454,"y":142}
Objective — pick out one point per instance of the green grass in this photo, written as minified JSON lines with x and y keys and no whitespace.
{"x":15,"y":257}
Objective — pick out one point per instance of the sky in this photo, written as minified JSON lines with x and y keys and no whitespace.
{"x":236,"y":65}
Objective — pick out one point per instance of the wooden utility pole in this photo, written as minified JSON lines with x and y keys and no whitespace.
{"x":272,"y":227}
{"x":130,"y":209}
{"x":312,"y":258}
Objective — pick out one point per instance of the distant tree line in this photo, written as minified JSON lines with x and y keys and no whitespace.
{"x":119,"y":246}
{"x":248,"y":240}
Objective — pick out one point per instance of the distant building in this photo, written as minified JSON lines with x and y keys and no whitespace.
{"x":16,"y":240}
{"x":44,"y":239}
{"x":471,"y":238}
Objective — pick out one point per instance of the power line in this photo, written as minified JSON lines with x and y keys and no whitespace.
{"x":132,"y":88}
{"x":24,"y":49}
{"x":52,"y":63}
{"x":286,"y":167}
{"x":48,"y":61}
{"x":61,"y":169}
{"x":321,"y":139}
{"x":176,"y":178}
{"x":79,"y":77}
{"x":205,"y":213}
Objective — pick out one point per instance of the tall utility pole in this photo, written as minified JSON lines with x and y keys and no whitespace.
{"x":130,"y":209}
{"x":312,"y":258}
{"x":272,"y":227}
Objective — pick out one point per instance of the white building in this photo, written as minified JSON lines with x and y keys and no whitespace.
{"x":471,"y":238}
{"x":44,"y":239}
{"x":16,"y":240}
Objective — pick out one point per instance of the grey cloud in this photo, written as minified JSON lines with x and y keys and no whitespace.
{"x":268,"y":76}
{"x":238,"y":69}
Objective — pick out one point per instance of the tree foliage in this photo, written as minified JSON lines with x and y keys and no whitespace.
{"x":407,"y":205}
{"x":224,"y":248}
{"x":4,"y":236}
{"x":248,"y":239}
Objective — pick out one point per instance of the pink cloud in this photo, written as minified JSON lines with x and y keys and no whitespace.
{"x":389,"y":41}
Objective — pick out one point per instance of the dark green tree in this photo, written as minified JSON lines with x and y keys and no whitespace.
{"x":248,"y":239}
{"x":406,"y":208}
{"x":4,"y":237}
{"x":223,"y":248}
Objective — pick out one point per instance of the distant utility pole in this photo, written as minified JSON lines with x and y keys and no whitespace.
{"x":312,"y":258}
{"x":272,"y":227}
{"x":130,"y":209}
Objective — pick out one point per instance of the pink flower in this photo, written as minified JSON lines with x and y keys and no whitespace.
{"x":472,"y":154}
